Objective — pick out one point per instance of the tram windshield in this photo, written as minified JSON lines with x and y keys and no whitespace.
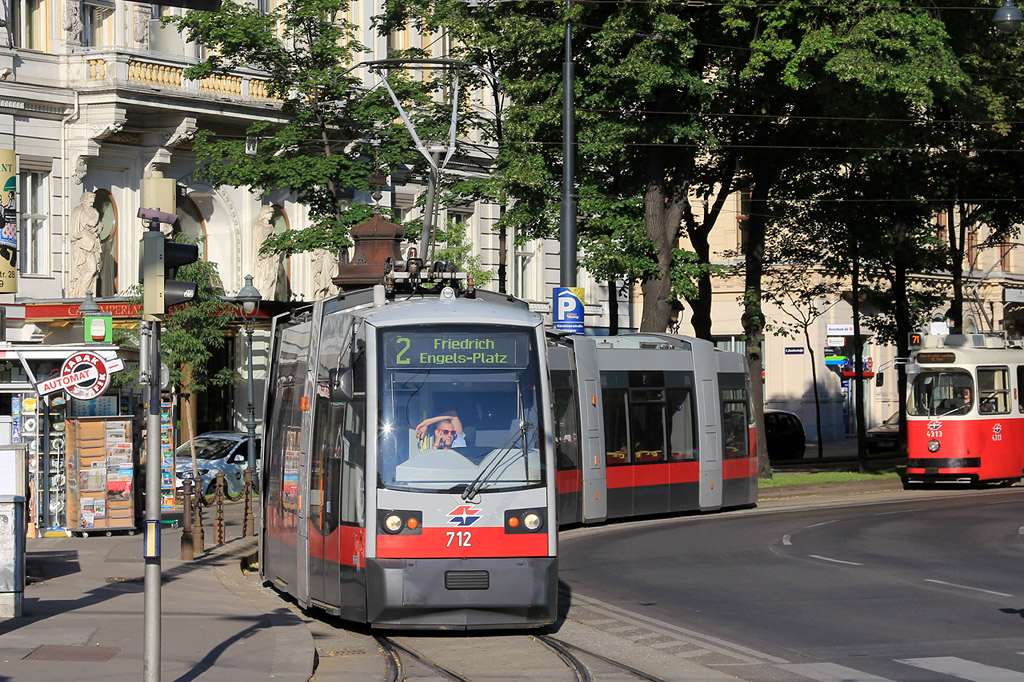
{"x":940,"y":394}
{"x":459,"y":409}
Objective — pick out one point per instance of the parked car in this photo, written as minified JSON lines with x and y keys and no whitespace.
{"x":784,"y":435}
{"x":886,"y":436}
{"x":226,"y":451}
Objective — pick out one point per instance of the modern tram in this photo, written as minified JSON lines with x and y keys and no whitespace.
{"x":650,"y":424}
{"x":965,"y":411}
{"x":408,"y":461}
{"x":421,"y":450}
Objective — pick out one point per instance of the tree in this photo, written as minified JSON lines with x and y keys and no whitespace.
{"x":801,"y":299}
{"x":330,"y":134}
{"x":190,"y":335}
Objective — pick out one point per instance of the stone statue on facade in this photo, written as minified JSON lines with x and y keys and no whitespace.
{"x":325,"y":267}
{"x":84,"y":232}
{"x":73,"y":21}
{"x":265,"y":276}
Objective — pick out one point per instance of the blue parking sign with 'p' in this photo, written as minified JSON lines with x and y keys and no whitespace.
{"x":567,"y":309}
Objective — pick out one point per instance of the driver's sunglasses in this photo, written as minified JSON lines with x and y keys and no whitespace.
{"x":446,"y":432}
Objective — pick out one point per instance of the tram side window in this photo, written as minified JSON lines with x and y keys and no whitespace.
{"x":282,"y":450}
{"x":353,"y":462}
{"x":616,"y":436}
{"x":993,"y":390}
{"x":647,"y":425}
{"x":1020,"y":388}
{"x":682,"y":424}
{"x":734,"y":423}
{"x":567,"y":423}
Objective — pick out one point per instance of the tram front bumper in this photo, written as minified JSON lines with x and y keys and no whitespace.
{"x":462,"y":593}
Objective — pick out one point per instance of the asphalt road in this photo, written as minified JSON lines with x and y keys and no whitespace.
{"x":900,"y":589}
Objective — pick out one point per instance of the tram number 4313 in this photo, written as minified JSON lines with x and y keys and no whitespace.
{"x":459,"y":538}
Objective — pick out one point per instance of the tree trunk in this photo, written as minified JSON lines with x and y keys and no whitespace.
{"x":753,"y":318}
{"x":956,"y":270}
{"x":613,"y":308}
{"x":817,"y":397}
{"x":657,"y":311}
{"x":663,"y":213}
{"x":903,"y":322}
{"x":858,"y":358}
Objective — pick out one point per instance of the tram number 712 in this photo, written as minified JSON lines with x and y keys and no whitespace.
{"x":460,"y":538}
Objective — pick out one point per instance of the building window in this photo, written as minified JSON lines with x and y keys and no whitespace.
{"x":99,"y":24}
{"x":33,"y":213}
{"x":735,"y":344}
{"x":28,"y":24}
{"x":107,"y":282}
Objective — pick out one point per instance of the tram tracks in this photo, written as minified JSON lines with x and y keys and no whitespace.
{"x":396,"y":671}
{"x":402,"y":661}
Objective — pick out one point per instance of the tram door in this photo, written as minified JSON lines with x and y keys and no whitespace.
{"x":594,"y":498}
{"x":711,"y":447}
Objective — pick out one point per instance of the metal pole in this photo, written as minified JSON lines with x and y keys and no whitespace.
{"x":567,"y":226}
{"x":428,"y":206}
{"x":250,"y":425}
{"x":151,"y":578}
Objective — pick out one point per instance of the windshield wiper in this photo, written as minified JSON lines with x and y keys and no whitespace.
{"x":473,"y":488}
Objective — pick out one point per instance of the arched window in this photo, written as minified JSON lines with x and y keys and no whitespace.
{"x":191,"y":223}
{"x":106,"y":285}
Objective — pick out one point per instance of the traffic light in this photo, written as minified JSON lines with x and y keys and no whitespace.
{"x":161,"y":259}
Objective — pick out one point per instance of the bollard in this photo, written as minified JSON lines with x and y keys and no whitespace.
{"x":187,"y":552}
{"x":247,"y":523}
{"x":12,"y":555}
{"x":198,"y":541}
{"x":218,"y":524}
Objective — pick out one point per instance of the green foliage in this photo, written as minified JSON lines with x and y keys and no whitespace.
{"x":191,"y":332}
{"x":453,"y":246}
{"x":330,"y":133}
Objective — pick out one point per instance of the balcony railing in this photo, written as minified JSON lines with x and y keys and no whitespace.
{"x":119,"y":69}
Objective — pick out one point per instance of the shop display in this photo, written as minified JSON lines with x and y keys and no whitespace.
{"x":101,"y":475}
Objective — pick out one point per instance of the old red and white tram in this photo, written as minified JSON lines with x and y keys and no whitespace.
{"x":965,"y":411}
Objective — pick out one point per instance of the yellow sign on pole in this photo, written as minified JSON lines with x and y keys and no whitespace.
{"x":9,"y":230}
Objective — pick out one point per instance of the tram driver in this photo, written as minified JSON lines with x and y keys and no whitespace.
{"x":962,"y":403}
{"x":447,"y":431}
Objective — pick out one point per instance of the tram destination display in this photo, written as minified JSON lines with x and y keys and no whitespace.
{"x":454,"y":350}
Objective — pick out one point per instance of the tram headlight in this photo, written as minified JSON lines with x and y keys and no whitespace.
{"x":933,"y":445}
{"x":524,"y":520}
{"x":400,"y":521}
{"x":393,"y":523}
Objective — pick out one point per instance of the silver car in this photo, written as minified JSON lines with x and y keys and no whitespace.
{"x":226,"y":451}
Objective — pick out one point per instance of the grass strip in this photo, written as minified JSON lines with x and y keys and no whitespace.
{"x":812,"y":478}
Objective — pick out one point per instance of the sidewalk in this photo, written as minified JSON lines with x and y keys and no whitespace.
{"x":83,"y":614}
{"x":83,"y":608}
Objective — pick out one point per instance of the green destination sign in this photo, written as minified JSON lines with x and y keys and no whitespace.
{"x":454,"y":350}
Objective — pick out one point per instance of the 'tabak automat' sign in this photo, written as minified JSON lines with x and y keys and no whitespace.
{"x":84,"y":375}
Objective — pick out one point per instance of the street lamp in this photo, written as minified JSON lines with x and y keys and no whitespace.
{"x":1008,"y":18}
{"x":250,"y":299}
{"x":89,"y":306}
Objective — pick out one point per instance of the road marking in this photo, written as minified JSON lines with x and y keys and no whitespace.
{"x":691,"y":637}
{"x":967,"y":587}
{"x":786,"y":540}
{"x":835,"y":561}
{"x":964,"y":669}
{"x":832,"y":672}
{"x":902,"y":511}
{"x":818,"y":525}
